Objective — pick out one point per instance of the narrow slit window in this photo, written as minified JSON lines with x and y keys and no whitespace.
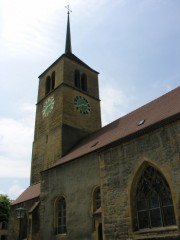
{"x":77,"y":78}
{"x":53,"y":80}
{"x":97,"y":198}
{"x":48,"y":84}
{"x":61,"y":216}
{"x":84,"y":82}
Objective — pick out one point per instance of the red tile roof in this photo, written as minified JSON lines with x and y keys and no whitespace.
{"x":156,"y":112}
{"x":30,"y":193}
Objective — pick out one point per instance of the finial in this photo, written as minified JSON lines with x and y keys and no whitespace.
{"x":69,"y":11}
{"x":68,"y":33}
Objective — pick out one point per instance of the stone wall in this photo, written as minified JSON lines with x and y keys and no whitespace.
{"x":3,"y":230}
{"x":74,"y":181}
{"x":120,"y":167}
{"x":30,"y":224}
{"x":51,"y":137}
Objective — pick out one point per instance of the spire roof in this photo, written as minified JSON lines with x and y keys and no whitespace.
{"x":68,"y":34}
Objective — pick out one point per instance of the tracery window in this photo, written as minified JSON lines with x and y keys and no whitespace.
{"x":153,"y":201}
{"x":61,"y":216}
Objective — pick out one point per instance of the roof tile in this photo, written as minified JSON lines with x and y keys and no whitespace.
{"x":30,"y":193}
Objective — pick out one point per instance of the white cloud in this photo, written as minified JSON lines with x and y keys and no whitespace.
{"x":16,"y":136}
{"x":27,"y":25}
{"x":14,"y":191}
{"x":113,"y":103}
{"x":13,"y":187}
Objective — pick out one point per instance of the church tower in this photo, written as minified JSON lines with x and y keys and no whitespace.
{"x":67,"y":110}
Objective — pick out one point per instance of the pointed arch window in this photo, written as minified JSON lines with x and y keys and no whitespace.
{"x":153,"y":201}
{"x":61,"y":216}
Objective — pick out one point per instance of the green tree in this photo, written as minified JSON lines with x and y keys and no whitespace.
{"x":4,"y":208}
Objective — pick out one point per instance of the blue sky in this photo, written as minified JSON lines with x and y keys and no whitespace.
{"x":134,"y":44}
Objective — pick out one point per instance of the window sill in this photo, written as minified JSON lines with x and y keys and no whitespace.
{"x":158,"y":229}
{"x":161,"y":231}
{"x":61,"y":236}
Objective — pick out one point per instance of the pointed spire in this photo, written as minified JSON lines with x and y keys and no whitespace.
{"x":68,"y":34}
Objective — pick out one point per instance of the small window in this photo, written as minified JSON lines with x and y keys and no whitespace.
{"x":48,"y":84}
{"x":153,"y":201}
{"x":84,"y":82}
{"x":97,"y":198}
{"x":77,"y":78}
{"x":52,"y":80}
{"x":61,"y":216}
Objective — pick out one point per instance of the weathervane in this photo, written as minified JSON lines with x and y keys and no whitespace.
{"x":68,"y":9}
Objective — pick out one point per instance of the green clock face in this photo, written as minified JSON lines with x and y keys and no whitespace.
{"x":82,"y":105}
{"x":48,"y":106}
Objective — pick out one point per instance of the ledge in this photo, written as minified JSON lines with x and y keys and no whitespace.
{"x":61,"y":236}
{"x":170,"y":231}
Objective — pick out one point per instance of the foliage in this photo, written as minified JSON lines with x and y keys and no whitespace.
{"x":4,"y":208}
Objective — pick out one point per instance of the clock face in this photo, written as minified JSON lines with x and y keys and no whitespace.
{"x":48,"y":106}
{"x":82,"y":105}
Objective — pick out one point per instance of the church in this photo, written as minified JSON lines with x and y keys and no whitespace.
{"x":88,"y":182}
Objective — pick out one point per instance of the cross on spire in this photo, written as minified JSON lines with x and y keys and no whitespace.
{"x":68,"y":33}
{"x":69,"y":11}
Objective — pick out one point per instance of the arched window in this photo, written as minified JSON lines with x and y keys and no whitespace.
{"x":48,"y":84}
{"x":153,"y":201}
{"x":61,"y":216}
{"x":52,"y":80}
{"x":84,"y":82}
{"x":77,"y":78}
{"x":96,"y":199}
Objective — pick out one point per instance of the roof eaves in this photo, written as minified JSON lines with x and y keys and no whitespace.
{"x":50,"y":66}
{"x":27,"y":200}
{"x":76,"y":59}
{"x":30,"y":193}
{"x":73,"y":58}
